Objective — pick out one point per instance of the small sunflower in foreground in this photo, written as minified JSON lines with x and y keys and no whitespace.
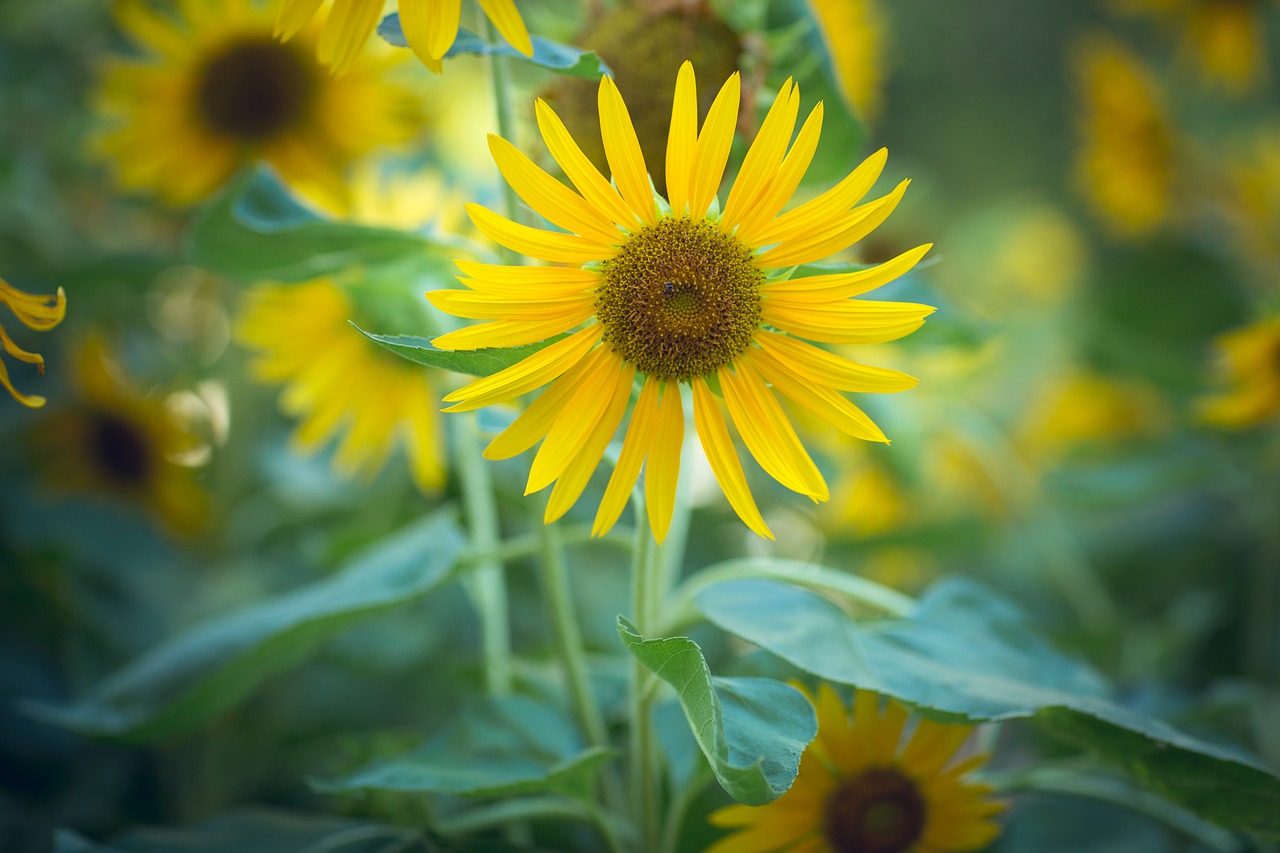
{"x":430,"y":27}
{"x":337,"y":382}
{"x":40,"y":313}
{"x":861,"y":789}
{"x":118,"y":444}
{"x":678,"y":292}
{"x":214,"y":91}
{"x":1249,"y":359}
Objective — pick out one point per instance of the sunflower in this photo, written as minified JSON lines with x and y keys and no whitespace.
{"x":854,"y":33}
{"x":862,"y":790}
{"x":215,"y":91}
{"x":40,"y":313}
{"x":1249,"y":359}
{"x":430,"y":27}
{"x":1125,"y":165}
{"x":121,"y":445}
{"x":1224,"y":39}
{"x":677,"y":293}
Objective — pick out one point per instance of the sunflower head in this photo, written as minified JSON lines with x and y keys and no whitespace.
{"x":865,"y":788}
{"x":40,"y":313}
{"x":1249,"y":371}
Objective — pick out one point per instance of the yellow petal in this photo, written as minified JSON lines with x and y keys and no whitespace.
{"x":537,"y":243}
{"x":634,"y":449}
{"x":767,"y":432}
{"x":507,"y":19}
{"x":533,"y":424}
{"x":525,"y":375}
{"x":534,"y":281}
{"x":718,"y":446}
{"x":580,"y":170}
{"x":507,"y":333}
{"x":350,"y":24}
{"x":783,"y":185}
{"x":622,"y":150}
{"x":826,"y":238}
{"x":37,"y":312}
{"x":147,"y":27}
{"x":570,"y":484}
{"x":821,"y":367}
{"x":549,"y":198}
{"x":484,"y":306}
{"x":836,"y":287}
{"x":760,"y":166}
{"x":714,"y":141}
{"x":578,"y":416}
{"x":662,"y":470}
{"x":832,"y":203}
{"x":430,"y":26}
{"x":822,"y":402}
{"x":294,"y":15}
{"x":858,"y":321}
{"x":18,"y":352}
{"x":682,"y":139}
{"x":31,"y":401}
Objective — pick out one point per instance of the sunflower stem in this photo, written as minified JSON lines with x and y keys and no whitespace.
{"x":506,"y":127}
{"x":646,"y":565}
{"x":486,"y":582}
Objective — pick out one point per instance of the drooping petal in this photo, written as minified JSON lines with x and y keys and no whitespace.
{"x":662,"y":470}
{"x":31,"y":401}
{"x":36,"y":311}
{"x":714,"y":141}
{"x":537,"y":243}
{"x":634,"y":449}
{"x":622,"y":150}
{"x":525,"y":375}
{"x":682,"y":139}
{"x":549,"y":198}
{"x":723,"y":458}
{"x":840,"y":286}
{"x":760,"y":166}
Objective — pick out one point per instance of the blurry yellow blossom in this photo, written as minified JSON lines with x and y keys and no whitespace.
{"x":1084,"y":408}
{"x":854,"y":32}
{"x":1225,"y":40}
{"x":1254,"y":178}
{"x":1249,"y":364}
{"x":214,"y":90}
{"x":1125,"y":165}
{"x":40,"y":313}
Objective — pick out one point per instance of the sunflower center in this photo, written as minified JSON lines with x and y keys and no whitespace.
{"x":680,"y":300}
{"x":877,"y":811}
{"x":121,"y":451}
{"x":254,"y":89}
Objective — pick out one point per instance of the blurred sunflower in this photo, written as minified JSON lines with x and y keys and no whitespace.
{"x":860,"y":789}
{"x":120,"y":445}
{"x":854,"y":33}
{"x":1125,"y":165}
{"x":215,"y":91}
{"x":40,"y":313}
{"x":430,"y":27}
{"x":1225,"y":39}
{"x":1081,"y":408}
{"x":335,"y":380}
{"x":680,"y":293}
{"x":1249,"y":359}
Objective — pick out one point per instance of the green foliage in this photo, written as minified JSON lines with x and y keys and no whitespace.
{"x":500,"y":747}
{"x":752,"y":730}
{"x":256,"y":230}
{"x":481,"y":362}
{"x":190,"y":678}
{"x":966,"y":653}
{"x":553,"y":56}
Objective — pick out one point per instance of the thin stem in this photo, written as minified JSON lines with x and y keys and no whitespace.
{"x":645,"y":565}
{"x":486,"y":582}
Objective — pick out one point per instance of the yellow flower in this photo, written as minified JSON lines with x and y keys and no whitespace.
{"x":862,"y":789}
{"x":430,"y":27}
{"x":41,"y":313}
{"x":854,"y":32}
{"x":1250,"y":364}
{"x":1225,"y":39}
{"x":1125,"y":165}
{"x":679,"y":293}
{"x":215,"y":91}
{"x":119,"y":444}
{"x":1082,"y":408}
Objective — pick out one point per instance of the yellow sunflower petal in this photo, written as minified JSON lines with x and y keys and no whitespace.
{"x":622,"y":150}
{"x":826,"y":238}
{"x":821,"y":367}
{"x":820,"y":401}
{"x":430,"y":26}
{"x":507,"y":333}
{"x":767,"y":432}
{"x":682,"y":139}
{"x":293,"y":16}
{"x":760,"y":166}
{"x":35,"y":311}
{"x":634,"y":449}
{"x":578,"y":416}
{"x":577,"y":473}
{"x":537,"y":243}
{"x":18,"y":352}
{"x":833,"y":288}
{"x":718,"y":446}
{"x":147,"y":27}
{"x":507,"y":19}
{"x":484,"y":306}
{"x":524,"y":376}
{"x":580,"y":170}
{"x":932,"y":747}
{"x":817,"y":212}
{"x":854,"y":322}
{"x":784,"y":183}
{"x":533,"y":424}
{"x":662,"y":470}
{"x":549,"y":198}
{"x":714,"y":141}
{"x":350,"y":24}
{"x":534,"y":281}
{"x":31,"y":401}
{"x":421,"y":429}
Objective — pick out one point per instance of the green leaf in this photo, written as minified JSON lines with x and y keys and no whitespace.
{"x":481,"y":362}
{"x":752,"y":730}
{"x":255,"y":231}
{"x":553,"y":56}
{"x":500,"y":747}
{"x":195,"y":675}
{"x":969,"y":654}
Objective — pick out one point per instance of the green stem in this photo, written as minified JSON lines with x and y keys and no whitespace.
{"x":645,"y":566}
{"x":506,"y":125}
{"x":485,"y":582}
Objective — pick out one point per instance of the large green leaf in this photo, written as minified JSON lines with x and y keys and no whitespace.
{"x":480,"y":362}
{"x":752,"y":730}
{"x":968,"y":653}
{"x":500,"y":747}
{"x":193,"y":676}
{"x":255,"y":230}
{"x":553,"y":56}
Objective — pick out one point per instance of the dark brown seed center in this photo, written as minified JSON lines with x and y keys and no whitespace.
{"x":253,"y":90}
{"x":878,"y":811}
{"x":121,"y":450}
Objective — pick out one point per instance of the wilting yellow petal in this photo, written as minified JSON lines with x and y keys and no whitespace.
{"x":840,"y":286}
{"x":718,"y":446}
{"x":682,"y":139}
{"x":524,"y":376}
{"x":36,"y":311}
{"x":622,"y":150}
{"x":18,"y":352}
{"x":634,"y":449}
{"x":537,"y":243}
{"x":662,"y":471}
{"x":714,"y":141}
{"x":760,"y":166}
{"x":31,"y":401}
